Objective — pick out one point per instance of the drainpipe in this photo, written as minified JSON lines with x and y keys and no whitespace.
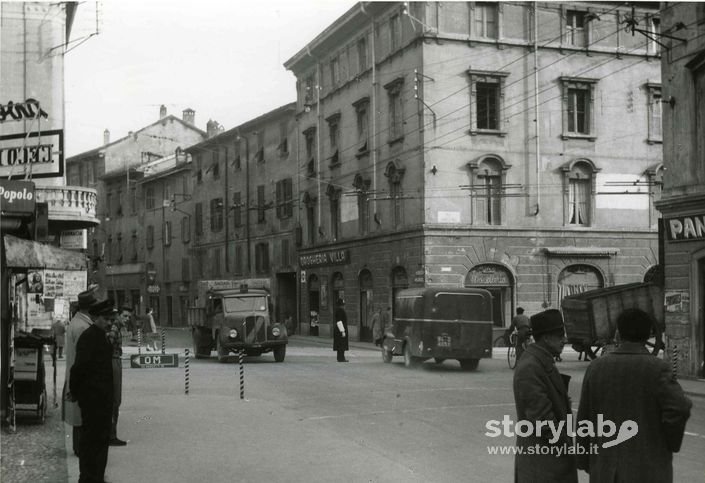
{"x":373,"y":106}
{"x":536,"y":109}
{"x":226,"y":212}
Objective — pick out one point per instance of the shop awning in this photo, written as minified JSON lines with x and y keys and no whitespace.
{"x":21,"y":253}
{"x":581,"y":251}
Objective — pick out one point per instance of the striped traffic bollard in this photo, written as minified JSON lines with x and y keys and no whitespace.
{"x":241,"y":356}
{"x":674,"y":354}
{"x":139,"y":341}
{"x":186,"y":374}
{"x":163,"y":341}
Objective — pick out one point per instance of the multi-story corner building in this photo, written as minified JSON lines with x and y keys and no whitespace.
{"x":42,"y":217}
{"x":510,"y":146}
{"x":114,"y":169}
{"x":682,"y":201}
{"x":244,"y":205}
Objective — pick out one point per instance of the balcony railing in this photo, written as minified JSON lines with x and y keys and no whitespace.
{"x":69,"y":203}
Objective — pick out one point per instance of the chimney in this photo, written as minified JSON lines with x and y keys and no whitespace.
{"x":106,"y":137}
{"x":189,"y":116}
{"x":162,"y":111}
{"x":213,"y":128}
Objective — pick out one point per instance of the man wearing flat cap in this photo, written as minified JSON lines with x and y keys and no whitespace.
{"x":92,"y":386}
{"x":80,"y":322}
{"x":541,"y":397}
{"x":631,"y":384}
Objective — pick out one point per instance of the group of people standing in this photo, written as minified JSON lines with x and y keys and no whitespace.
{"x":93,"y":384}
{"x":628,"y":387}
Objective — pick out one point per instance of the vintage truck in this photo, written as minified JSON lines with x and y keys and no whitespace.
{"x":235,"y":315}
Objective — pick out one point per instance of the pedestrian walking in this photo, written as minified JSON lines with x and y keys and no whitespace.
{"x":149,"y":330}
{"x":629,"y":384}
{"x":541,"y":397}
{"x":92,"y":386}
{"x":340,"y":330}
{"x":377,"y":327}
{"x":58,"y":328}
{"x":522,"y":324}
{"x":71,"y":412}
{"x":386,"y":322}
{"x":114,"y":335}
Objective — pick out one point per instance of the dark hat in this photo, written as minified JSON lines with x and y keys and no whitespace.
{"x":87,"y":299}
{"x":105,"y":307}
{"x":547,"y":321}
{"x":634,"y":325}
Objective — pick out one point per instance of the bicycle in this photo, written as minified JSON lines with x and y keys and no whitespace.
{"x":512,"y":350}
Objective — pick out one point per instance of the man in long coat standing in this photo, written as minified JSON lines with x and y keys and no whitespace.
{"x":541,"y":396}
{"x":92,"y":386}
{"x":340,"y":330}
{"x":630,"y":384}
{"x":80,"y":322}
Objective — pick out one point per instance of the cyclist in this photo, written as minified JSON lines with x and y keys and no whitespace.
{"x":521,"y":323}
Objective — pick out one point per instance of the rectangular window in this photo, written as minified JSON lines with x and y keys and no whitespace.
{"x":575,"y":28}
{"x":237,"y":209}
{"x":261,"y":214}
{"x":579,"y":202}
{"x":699,"y":108}
{"x":91,"y":173}
{"x":486,"y":20}
{"x":150,"y":236}
{"x":394,"y":32}
{"x":185,"y":229}
{"x":655,"y":114}
{"x":285,"y":253}
{"x":259,"y":155}
{"x":133,"y":200}
{"x":216,"y":214}
{"x":217,"y":261}
{"x":283,"y":139}
{"x":362,"y":55}
{"x":362,"y":212}
{"x":237,"y":163}
{"x":577,"y":107}
{"x":654,"y":25}
{"x":396,"y":113}
{"x":198,"y":215}
{"x":333,"y":135}
{"x":284,"y":197}
{"x":167,"y":233}
{"x":362,"y":112}
{"x":334,"y":72}
{"x":120,"y":203}
{"x":168,"y":192}
{"x":216,"y":164}
{"x":199,"y":169}
{"x":487,"y":105}
{"x":149,"y":197}
{"x":185,"y":269}
{"x":262,"y":258}
{"x":396,"y":197}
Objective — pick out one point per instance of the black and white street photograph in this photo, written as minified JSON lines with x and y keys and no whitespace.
{"x":365,"y":242}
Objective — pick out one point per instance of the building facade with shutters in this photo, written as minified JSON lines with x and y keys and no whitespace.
{"x":117,"y":246}
{"x":682,"y":201}
{"x":244,"y":205}
{"x":510,"y":146}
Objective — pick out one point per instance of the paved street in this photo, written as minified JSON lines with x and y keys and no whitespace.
{"x":313,"y":419}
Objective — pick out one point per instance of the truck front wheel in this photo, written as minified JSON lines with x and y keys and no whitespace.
{"x":222,"y":353}
{"x":279,"y":353}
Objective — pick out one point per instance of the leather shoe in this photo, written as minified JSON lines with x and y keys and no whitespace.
{"x":117,"y":442}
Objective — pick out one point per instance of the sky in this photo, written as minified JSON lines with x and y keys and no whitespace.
{"x":222,"y":58}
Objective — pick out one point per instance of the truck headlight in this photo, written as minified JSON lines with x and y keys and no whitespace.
{"x":232,"y":334}
{"x":276,"y":331}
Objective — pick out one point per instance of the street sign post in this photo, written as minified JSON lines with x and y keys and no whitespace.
{"x":153,"y":361}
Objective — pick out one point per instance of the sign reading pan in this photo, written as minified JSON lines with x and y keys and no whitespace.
{"x":322,"y":259}
{"x":686,"y":228}
{"x":42,"y":152}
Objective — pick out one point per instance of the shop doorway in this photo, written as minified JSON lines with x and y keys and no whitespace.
{"x":500,"y":283}
{"x":576,"y":279}
{"x":399,"y":281}
{"x":366,"y":305}
{"x":314,"y":303}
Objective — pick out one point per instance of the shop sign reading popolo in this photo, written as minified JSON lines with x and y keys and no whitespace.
{"x":322,"y":259}
{"x":686,"y":228}
{"x":17,"y":197}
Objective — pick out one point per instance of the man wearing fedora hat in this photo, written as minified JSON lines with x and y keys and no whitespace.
{"x":541,"y":397}
{"x":92,"y":386}
{"x":80,"y":322}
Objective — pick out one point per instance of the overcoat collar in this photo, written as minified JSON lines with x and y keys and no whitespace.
{"x":630,"y":348}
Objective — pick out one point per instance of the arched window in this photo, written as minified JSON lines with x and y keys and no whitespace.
{"x":579,"y":178}
{"x":487,"y":189}
{"x":575,"y":279}
{"x":395,"y":174}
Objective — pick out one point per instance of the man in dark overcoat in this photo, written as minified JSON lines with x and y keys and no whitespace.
{"x":630,"y":384}
{"x":92,"y":386}
{"x":541,"y":396}
{"x":340,"y":330}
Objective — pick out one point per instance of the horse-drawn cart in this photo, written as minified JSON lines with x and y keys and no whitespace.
{"x":591,"y":317}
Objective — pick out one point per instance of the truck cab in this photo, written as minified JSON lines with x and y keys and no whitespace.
{"x":236,"y":319}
